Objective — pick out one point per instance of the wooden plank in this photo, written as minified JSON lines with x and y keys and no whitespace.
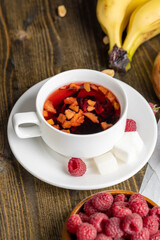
{"x":35,"y":43}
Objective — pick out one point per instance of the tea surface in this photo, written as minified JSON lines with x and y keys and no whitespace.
{"x":82,"y":108}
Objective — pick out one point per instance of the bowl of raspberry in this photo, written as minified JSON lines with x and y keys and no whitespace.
{"x":115,"y":214}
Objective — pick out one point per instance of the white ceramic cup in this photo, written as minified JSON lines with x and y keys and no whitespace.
{"x":33,"y":124}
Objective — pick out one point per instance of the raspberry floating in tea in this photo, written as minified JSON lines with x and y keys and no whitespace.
{"x":82,"y":108}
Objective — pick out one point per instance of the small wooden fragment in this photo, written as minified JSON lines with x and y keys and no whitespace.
{"x":56,"y":126}
{"x":87,"y":86}
{"x":91,"y":103}
{"x":69,"y":114}
{"x":66,"y":130}
{"x":110,"y":96}
{"x":49,"y":107}
{"x":78,"y":119}
{"x":103,"y":89}
{"x":45,"y":113}
{"x":94,"y":87}
{"x":90,"y":108}
{"x":116,"y":105}
{"x":71,"y":100}
{"x":50,"y":121}
{"x":92,"y":117}
{"x":63,"y":87}
{"x":61,"y":118}
{"x":66,"y":124}
{"x":74,"y":86}
{"x":22,"y":35}
{"x":62,"y":11}
{"x":105,"y":40}
{"x":109,"y":72}
{"x":74,"y":107}
{"x":105,"y":125}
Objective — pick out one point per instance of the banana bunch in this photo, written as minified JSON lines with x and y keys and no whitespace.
{"x":142,"y":19}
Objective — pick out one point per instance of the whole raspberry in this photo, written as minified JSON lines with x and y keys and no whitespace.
{"x":120,"y":211}
{"x":120,"y":198}
{"x":73,"y":223}
{"x":151,"y":223}
{"x":121,"y":204}
{"x":84,"y":217}
{"x":102,"y":201}
{"x":130,"y":126}
{"x":86,"y":231}
{"x":142,"y":235}
{"x":132,"y":223}
{"x":135,"y":196}
{"x":139,"y":206}
{"x":76,"y":167}
{"x":113,"y":228}
{"x":102,"y":236}
{"x":154,"y":107}
{"x":108,"y":212}
{"x":98,"y":220}
{"x":155,"y":211}
{"x":88,"y":208}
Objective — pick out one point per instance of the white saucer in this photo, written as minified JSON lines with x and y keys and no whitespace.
{"x":42,"y":162}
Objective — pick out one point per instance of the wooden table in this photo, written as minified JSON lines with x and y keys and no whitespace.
{"x":35,"y":43}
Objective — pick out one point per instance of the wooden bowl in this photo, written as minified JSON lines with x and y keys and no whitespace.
{"x":65,"y":234}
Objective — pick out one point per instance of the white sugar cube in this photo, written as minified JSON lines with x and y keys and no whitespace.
{"x":106,"y":163}
{"x":136,"y":140}
{"x":128,"y":147}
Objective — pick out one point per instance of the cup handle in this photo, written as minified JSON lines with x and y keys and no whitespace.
{"x":26,"y":125}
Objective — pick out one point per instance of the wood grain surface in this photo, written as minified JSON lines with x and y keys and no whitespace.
{"x":35,"y":43}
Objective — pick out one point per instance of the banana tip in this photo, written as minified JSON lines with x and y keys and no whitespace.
{"x":118,"y":59}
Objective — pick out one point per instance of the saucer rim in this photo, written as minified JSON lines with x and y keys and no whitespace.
{"x":80,"y":187}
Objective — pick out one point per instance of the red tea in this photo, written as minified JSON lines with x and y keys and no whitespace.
{"x":82,"y":108}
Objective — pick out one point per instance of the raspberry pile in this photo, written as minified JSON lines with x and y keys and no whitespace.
{"x":119,"y":217}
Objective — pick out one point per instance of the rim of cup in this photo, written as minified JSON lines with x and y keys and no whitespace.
{"x":108,"y":78}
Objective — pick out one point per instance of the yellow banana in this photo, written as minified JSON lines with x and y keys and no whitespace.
{"x":113,"y":16}
{"x":144,"y":24}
